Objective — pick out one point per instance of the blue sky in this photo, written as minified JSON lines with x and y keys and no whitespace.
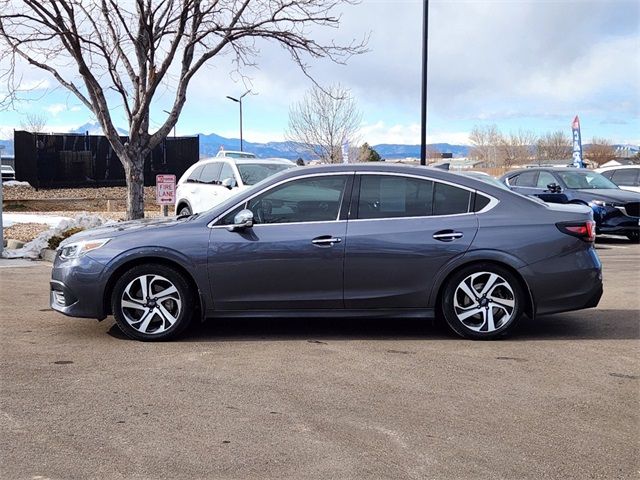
{"x":519,"y":64}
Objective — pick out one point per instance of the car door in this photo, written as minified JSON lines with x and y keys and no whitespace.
{"x":292,"y":257}
{"x":402,"y":229}
{"x":208,"y":187}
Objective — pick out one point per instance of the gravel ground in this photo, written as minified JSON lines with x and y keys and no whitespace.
{"x":26,"y":232}
{"x":29,"y":193}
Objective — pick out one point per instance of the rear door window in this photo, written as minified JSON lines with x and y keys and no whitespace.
{"x":387,"y":196}
{"x":525,"y":179}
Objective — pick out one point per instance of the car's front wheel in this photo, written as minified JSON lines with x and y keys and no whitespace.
{"x":634,"y":236}
{"x":482,"y":301}
{"x":184,"y":211}
{"x":152,"y":302}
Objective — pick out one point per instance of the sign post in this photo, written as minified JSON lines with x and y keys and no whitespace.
{"x":165,"y":192}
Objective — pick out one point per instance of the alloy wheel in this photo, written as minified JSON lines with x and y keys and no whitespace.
{"x":151,"y":304}
{"x":484,"y":302}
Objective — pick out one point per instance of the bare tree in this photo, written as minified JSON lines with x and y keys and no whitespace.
{"x":600,"y":151}
{"x":323,"y":121}
{"x":113,"y":54}
{"x":34,"y":123}
{"x":516,"y":147}
{"x":432,"y":154}
{"x":553,"y":146}
{"x":485,"y":141}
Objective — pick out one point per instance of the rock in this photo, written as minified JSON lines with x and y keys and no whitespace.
{"x":13,"y":244}
{"x":48,"y":255}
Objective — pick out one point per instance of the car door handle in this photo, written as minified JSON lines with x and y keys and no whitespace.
{"x":326,"y":240}
{"x":447,"y":235}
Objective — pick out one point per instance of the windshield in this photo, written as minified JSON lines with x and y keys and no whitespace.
{"x":585,"y":180}
{"x":239,"y":155}
{"x":252,"y":173}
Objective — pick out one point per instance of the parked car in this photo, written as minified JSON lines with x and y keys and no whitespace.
{"x":8,"y":173}
{"x":485,"y":177}
{"x":627,"y":177}
{"x":234,"y":154}
{"x":209,"y":182}
{"x":339,"y":240}
{"x":615,"y":211}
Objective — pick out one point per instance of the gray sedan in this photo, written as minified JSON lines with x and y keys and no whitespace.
{"x":369,"y":240}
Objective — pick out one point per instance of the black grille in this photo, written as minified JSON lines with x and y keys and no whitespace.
{"x":633,"y":209}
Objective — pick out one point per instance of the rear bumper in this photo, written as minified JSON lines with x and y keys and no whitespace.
{"x":572,"y":281}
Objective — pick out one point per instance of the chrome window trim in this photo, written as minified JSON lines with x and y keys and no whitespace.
{"x":211,"y":224}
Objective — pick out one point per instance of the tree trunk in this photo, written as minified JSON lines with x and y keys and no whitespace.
{"x":134,"y":174}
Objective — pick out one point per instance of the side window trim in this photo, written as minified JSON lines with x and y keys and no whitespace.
{"x":356,"y":197}
{"x":245,"y":202}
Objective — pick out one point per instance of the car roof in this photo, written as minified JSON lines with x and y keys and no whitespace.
{"x":617,"y":167}
{"x":548,"y":169}
{"x":240,"y":161}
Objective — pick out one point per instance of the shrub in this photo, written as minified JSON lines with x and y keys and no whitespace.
{"x":54,"y":242}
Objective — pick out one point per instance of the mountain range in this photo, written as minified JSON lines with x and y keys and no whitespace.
{"x":211,"y":143}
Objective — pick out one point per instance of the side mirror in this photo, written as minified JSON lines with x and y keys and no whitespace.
{"x":554,"y":188}
{"x":242,"y":220}
{"x":228,"y":182}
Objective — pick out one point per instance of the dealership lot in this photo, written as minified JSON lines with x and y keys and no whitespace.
{"x":321,"y":398}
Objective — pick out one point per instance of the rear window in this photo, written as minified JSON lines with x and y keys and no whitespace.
{"x":525,"y":179}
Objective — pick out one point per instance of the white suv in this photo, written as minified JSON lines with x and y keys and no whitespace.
{"x":210,"y":182}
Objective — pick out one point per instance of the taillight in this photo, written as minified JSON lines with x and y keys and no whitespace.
{"x":583,"y":230}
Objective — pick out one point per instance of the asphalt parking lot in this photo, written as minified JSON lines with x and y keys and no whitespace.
{"x":321,"y":399}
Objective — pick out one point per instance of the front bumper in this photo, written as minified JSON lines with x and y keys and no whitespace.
{"x":614,"y":220}
{"x":77,"y":287}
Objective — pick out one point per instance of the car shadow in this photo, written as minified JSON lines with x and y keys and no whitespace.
{"x":586,"y":325}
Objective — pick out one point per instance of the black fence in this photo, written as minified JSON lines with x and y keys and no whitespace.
{"x":76,"y":160}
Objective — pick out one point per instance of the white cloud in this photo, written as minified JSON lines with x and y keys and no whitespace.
{"x":56,"y":108}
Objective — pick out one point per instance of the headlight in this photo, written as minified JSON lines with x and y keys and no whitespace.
{"x":600,"y":203}
{"x":77,"y":249}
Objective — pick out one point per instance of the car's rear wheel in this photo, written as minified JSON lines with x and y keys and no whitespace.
{"x":152,"y":302}
{"x":482,"y":301}
{"x":184,"y":211}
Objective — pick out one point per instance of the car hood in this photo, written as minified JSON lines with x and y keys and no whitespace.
{"x":113,"y":230}
{"x":610,"y":195}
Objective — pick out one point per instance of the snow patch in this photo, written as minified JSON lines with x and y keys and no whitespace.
{"x":9,"y":219}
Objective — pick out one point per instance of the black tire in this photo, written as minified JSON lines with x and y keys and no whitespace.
{"x":490,"y":312}
{"x":634,"y":237}
{"x":184,"y":211}
{"x":178,"y":305}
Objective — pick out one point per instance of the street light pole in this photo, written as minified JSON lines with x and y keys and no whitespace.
{"x":239,"y":101}
{"x":425,"y":43}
